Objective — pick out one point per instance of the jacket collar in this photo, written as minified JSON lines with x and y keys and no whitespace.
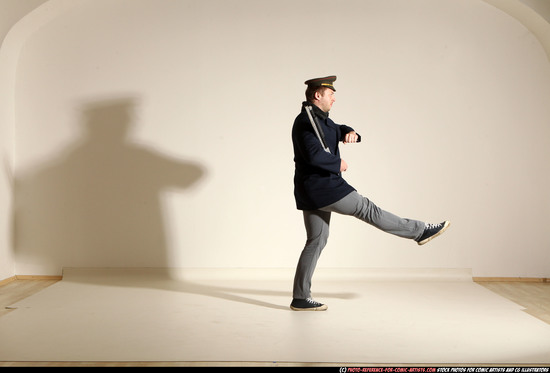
{"x":318,"y":112}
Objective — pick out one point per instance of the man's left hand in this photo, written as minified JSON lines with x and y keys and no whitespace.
{"x":351,"y":137}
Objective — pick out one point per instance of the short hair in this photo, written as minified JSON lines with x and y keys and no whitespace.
{"x":310,"y":92}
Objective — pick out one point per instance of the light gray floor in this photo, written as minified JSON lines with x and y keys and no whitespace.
{"x":134,"y":315}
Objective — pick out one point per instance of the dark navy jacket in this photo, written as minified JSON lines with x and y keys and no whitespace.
{"x":317,"y":178}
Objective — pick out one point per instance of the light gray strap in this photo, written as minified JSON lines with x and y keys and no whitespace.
{"x":314,"y":125}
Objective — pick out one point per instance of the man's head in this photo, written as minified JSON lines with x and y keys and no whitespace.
{"x":320,"y":92}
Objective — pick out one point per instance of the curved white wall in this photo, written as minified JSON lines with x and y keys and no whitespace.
{"x":158,"y":134}
{"x":11,"y":11}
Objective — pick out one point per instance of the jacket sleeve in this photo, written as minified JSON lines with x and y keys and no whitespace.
{"x":344,"y":130}
{"x":313,"y":154}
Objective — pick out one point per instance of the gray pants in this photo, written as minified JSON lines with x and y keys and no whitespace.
{"x":317,"y":229}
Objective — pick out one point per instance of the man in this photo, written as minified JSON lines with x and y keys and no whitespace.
{"x":319,"y":188}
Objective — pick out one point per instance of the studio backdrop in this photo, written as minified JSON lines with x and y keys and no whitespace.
{"x":155,"y":133}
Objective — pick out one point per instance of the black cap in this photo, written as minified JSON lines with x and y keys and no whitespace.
{"x":322,"y":82}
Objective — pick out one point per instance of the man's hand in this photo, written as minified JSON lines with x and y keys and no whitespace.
{"x":343,"y":165}
{"x":351,"y":137}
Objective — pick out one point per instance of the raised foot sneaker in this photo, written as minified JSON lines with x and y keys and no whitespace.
{"x":432,"y":231}
{"x":307,"y":305}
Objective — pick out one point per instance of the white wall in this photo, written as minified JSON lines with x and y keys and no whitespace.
{"x":533,"y":14}
{"x":157,"y":133}
{"x":11,"y":11}
{"x":542,"y":7}
{"x":7,"y":261}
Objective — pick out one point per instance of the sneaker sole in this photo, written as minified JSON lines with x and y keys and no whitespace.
{"x":322,"y":308}
{"x":445,"y":226}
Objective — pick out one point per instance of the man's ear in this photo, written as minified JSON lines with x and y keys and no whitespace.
{"x":318,"y":95}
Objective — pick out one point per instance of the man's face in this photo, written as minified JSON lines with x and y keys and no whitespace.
{"x":325,"y":99}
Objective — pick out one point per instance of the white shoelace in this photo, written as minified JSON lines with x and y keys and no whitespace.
{"x":433,"y":226}
{"x":312,"y":301}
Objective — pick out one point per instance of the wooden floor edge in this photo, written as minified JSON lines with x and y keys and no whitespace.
{"x":475,"y":279}
{"x":7,"y":280}
{"x":29,"y":277}
{"x":511,"y":279}
{"x":38,"y":277}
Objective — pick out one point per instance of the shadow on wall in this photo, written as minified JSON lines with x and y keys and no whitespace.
{"x":98,"y":203}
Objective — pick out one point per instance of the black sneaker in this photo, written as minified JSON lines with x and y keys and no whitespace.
{"x":432,"y":231}
{"x":307,"y":305}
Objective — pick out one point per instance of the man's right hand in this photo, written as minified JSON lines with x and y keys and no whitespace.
{"x":343,"y":165}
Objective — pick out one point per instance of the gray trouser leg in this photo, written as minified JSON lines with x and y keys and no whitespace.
{"x":362,"y":208}
{"x":317,"y":228}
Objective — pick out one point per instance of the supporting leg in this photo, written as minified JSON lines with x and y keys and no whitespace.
{"x":317,"y":229}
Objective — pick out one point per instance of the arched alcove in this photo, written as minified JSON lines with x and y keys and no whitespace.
{"x":451,"y":98}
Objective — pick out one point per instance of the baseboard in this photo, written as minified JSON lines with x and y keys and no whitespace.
{"x":29,"y":277}
{"x":511,"y":279}
{"x":37,"y":277}
{"x":475,"y":279}
{"x":7,"y":280}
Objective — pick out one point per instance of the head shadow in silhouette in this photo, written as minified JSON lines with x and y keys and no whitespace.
{"x":98,"y":202}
